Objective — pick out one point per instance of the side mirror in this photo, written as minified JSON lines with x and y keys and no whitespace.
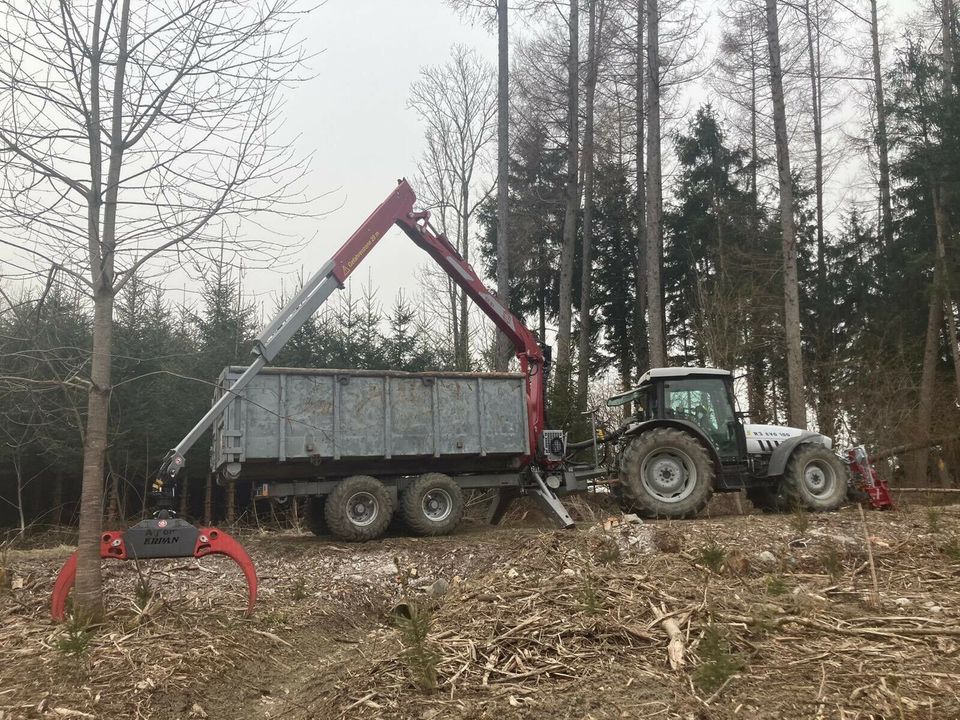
{"x":743,"y":414}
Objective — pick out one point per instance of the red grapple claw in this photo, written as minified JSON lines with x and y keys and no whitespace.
{"x":152,"y":539}
{"x":216,"y":542}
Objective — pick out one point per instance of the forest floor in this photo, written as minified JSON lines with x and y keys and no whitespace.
{"x":739,"y":616}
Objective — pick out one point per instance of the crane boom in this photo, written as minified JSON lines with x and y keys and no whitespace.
{"x":396,"y":209}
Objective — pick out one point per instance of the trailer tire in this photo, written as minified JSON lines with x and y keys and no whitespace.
{"x":432,"y":505}
{"x":814,"y":479}
{"x":666,"y":473}
{"x":358,"y":509}
{"x":315,"y":520}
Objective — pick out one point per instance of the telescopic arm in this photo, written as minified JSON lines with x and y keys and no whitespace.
{"x":396,"y":209}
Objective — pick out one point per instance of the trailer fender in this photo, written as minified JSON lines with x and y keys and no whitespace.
{"x":780,"y":456}
{"x":687,"y":427}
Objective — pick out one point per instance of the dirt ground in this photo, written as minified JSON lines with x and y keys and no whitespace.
{"x":755,"y":616}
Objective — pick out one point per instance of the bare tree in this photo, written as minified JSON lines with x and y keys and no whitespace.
{"x":640,"y":304}
{"x":457,"y":104}
{"x":129,"y":135}
{"x":595,"y":17}
{"x":791,"y":289}
{"x":657,"y":343}
{"x":499,"y":11}
{"x":503,"y":172}
{"x":572,"y":197}
{"x":886,"y":204}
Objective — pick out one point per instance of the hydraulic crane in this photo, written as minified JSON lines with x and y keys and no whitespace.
{"x":397,"y":210}
{"x":167,"y":536}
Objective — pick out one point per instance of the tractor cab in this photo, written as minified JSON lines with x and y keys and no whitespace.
{"x":700,"y":396}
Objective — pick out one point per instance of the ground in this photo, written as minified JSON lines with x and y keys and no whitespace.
{"x":773,"y":616}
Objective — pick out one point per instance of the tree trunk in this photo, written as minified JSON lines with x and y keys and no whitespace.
{"x":503,"y":174}
{"x":88,"y":595}
{"x":656,"y":345}
{"x":583,"y":351}
{"x":942,"y":277}
{"x":231,"y":502}
{"x":946,"y":38}
{"x":208,"y":500}
{"x":464,"y":355}
{"x":917,"y":467}
{"x":796,"y":405}
{"x":56,"y":516}
{"x":562,"y":382}
{"x":813,"y":51}
{"x":641,"y":354}
{"x":823,"y":336}
{"x":886,"y":204}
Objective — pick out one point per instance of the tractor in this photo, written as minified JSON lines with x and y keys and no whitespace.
{"x":686,"y":440}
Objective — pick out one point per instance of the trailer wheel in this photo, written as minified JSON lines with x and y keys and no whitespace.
{"x":814,"y":479}
{"x":358,"y":509}
{"x":432,"y":505}
{"x":315,"y":519}
{"x":666,"y":473}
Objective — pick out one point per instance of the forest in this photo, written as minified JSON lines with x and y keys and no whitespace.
{"x":761,"y":187}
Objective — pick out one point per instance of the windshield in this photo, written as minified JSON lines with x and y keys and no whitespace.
{"x":705,"y":402}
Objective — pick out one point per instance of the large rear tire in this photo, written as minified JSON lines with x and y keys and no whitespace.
{"x":814,"y":479}
{"x":432,"y":505}
{"x":666,"y":473}
{"x":358,"y":509}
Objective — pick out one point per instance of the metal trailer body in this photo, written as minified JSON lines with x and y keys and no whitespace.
{"x":320,"y":425}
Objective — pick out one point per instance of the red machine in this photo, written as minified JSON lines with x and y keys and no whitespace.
{"x":866,"y":479}
{"x":167,"y":536}
{"x":160,"y":537}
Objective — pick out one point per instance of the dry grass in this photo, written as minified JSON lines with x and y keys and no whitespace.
{"x":534,"y":624}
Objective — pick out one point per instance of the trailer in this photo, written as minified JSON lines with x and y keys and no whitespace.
{"x":407,"y":443}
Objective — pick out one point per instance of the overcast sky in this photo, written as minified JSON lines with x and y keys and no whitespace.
{"x":353,"y":118}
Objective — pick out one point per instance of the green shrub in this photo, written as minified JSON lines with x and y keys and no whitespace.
{"x":718,"y":663}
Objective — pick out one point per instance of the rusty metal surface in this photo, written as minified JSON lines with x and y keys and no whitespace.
{"x":324,"y":417}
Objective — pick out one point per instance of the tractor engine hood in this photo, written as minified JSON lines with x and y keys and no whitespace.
{"x":764,"y":439}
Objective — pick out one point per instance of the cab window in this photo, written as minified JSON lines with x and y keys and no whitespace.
{"x":706,"y":403}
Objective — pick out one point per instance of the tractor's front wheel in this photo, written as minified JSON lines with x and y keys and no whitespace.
{"x":814,"y":479}
{"x":666,"y":473}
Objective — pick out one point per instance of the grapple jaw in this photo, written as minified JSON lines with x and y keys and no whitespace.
{"x":160,"y":537}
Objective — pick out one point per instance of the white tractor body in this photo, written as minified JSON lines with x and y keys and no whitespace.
{"x":764,"y":439}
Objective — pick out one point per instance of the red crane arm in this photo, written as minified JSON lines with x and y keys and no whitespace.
{"x":398,"y":209}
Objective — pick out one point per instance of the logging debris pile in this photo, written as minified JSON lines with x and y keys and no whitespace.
{"x":778,"y":616}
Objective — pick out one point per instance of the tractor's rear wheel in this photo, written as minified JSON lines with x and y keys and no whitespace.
{"x":432,"y":505}
{"x":666,"y":473}
{"x":814,"y":479}
{"x":359,"y":508}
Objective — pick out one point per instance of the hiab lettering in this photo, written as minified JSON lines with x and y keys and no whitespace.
{"x":167,"y":540}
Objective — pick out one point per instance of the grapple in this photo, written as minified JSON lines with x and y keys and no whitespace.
{"x":163,"y":536}
{"x":865,"y":478}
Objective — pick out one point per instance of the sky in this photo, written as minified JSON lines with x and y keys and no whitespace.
{"x":352,"y":117}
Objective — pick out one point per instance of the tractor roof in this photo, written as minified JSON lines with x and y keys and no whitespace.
{"x":680,"y":372}
{"x":663,"y":373}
